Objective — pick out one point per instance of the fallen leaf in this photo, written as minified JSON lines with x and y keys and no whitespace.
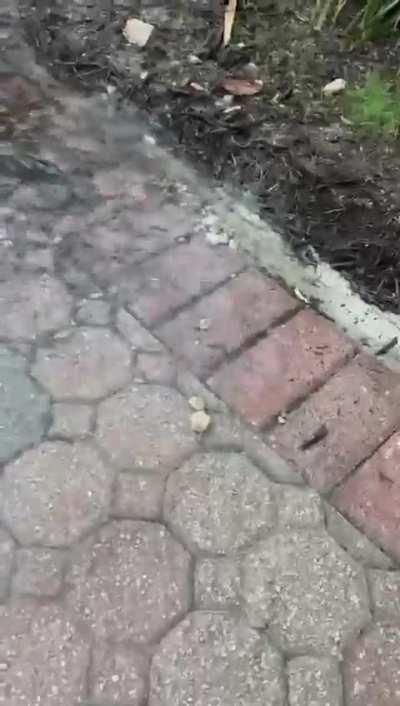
{"x":229,"y":18}
{"x":137,"y":32}
{"x":242,"y":86}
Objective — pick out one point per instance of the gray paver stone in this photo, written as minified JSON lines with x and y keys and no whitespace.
{"x":32,"y":305}
{"x":71,"y":421}
{"x":298,"y":507}
{"x":219,"y":502}
{"x":39,"y":572}
{"x":145,"y":426}
{"x":307,"y":590}
{"x":53,"y":494}
{"x":23,"y":408}
{"x":138,"y":495}
{"x":213,"y":658}
{"x":118,"y":675}
{"x":94,"y":311}
{"x":7,"y":550}
{"x":87,"y":364}
{"x":217,"y":583}
{"x":44,"y":658}
{"x":371,"y":669}
{"x":385,"y":593}
{"x":133,"y":582}
{"x":314,"y":681}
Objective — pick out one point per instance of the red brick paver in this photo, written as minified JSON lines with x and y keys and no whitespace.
{"x":232,"y":315}
{"x":157,"y":287}
{"x":371,"y":497}
{"x":281,"y":369}
{"x":353,"y":413}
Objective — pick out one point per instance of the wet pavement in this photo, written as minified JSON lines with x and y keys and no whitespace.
{"x":142,"y":562}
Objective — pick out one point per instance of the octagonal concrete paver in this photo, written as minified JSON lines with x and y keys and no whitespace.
{"x":131,"y":583}
{"x":32,"y":305}
{"x":119,"y":675}
{"x":44,"y":658}
{"x":213,"y":658}
{"x":54,"y":494}
{"x":23,"y":408}
{"x":219,"y":502}
{"x":147,"y":426}
{"x":311,"y":595}
{"x":87,"y":364}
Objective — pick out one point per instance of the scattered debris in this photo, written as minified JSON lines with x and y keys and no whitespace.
{"x":281,"y":419}
{"x":334,"y":87}
{"x":300,"y":296}
{"x":242,"y":86}
{"x":200,"y":421}
{"x":197,"y":403}
{"x":319,"y":435}
{"x":229,"y":18}
{"x":217,"y":237}
{"x":137,"y":32}
{"x":388,"y":346}
{"x":204,"y":324}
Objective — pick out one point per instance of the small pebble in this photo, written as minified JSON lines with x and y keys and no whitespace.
{"x":336,"y":86}
{"x":204,"y":324}
{"x":197,"y":403}
{"x":200,"y":422}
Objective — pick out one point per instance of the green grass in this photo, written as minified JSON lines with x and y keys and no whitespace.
{"x":375,"y":106}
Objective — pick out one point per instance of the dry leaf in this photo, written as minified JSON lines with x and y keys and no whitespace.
{"x":229,"y":18}
{"x":242,"y":86}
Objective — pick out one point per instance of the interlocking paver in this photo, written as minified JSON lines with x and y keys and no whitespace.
{"x":342,"y":423}
{"x":133,"y":331}
{"x":87,"y":364}
{"x":301,"y":585}
{"x":298,"y":507}
{"x":159,"y":287}
{"x":314,"y":680}
{"x":145,"y":426}
{"x":214,"y":658}
{"x":23,"y":407}
{"x":39,"y":572}
{"x":53,"y":494}
{"x":217,"y":583}
{"x":235,"y":313}
{"x":354,"y":542}
{"x":385,"y":593}
{"x":43,"y":655}
{"x":270,"y":377}
{"x":371,"y":497}
{"x":95,"y":312}
{"x":372,"y":667}
{"x":71,"y":420}
{"x":133,"y":582}
{"x":7,"y":551}
{"x":118,"y":675}
{"x":32,"y":305}
{"x":217,"y":503}
{"x":138,"y":495}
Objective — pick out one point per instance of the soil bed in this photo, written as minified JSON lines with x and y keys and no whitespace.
{"x":321,"y":182}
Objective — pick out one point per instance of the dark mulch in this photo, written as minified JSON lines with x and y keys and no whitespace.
{"x":324,"y":184}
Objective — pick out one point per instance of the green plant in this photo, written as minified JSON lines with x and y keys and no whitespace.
{"x":375,"y":18}
{"x":375,"y":106}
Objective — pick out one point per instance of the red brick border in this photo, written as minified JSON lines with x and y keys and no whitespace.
{"x":323,"y":405}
